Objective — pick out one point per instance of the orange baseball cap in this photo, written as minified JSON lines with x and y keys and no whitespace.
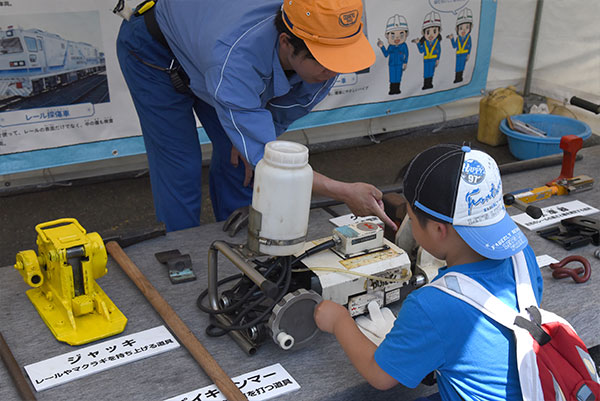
{"x":332,"y":31}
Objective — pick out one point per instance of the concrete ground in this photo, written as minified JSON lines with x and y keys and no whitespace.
{"x":115,"y":206}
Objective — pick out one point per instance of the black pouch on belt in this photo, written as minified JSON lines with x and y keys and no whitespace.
{"x":179,"y":78}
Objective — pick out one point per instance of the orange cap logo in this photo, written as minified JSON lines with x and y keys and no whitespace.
{"x":348,"y":18}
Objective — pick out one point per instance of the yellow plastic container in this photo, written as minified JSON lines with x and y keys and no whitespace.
{"x":493,"y":108}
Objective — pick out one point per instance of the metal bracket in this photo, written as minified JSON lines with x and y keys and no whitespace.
{"x":180,"y":266}
{"x":236,"y":220}
{"x":574,"y":232}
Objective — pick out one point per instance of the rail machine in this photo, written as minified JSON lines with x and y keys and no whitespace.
{"x":282,"y":277}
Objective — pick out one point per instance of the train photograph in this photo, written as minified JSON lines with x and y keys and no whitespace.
{"x":51,"y":60}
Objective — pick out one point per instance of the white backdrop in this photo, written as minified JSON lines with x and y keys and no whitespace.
{"x":567,"y":59}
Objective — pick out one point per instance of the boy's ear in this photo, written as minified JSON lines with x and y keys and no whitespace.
{"x":440,"y":230}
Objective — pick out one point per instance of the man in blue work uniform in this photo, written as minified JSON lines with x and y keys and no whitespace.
{"x":253,"y":69}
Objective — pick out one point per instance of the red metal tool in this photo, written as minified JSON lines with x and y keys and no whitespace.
{"x":565,"y":183}
{"x":570,"y":144}
{"x":579,"y":274}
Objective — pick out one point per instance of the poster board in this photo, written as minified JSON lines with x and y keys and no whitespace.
{"x":71,"y":104}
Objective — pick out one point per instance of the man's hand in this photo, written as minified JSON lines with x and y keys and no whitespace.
{"x":366,"y":200}
{"x":236,"y":156}
{"x":361,"y":198}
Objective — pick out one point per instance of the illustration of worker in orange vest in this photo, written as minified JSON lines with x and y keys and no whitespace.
{"x":429,"y":45}
{"x":396,"y":32}
{"x":462,"y":43}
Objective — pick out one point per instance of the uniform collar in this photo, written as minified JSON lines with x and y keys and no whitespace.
{"x":281,"y":84}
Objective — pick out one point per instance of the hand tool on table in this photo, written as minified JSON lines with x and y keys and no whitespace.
{"x":565,"y":183}
{"x":63,"y":276}
{"x":579,"y":274}
{"x":532,"y":211}
{"x":180,"y":266}
{"x":128,"y":239}
{"x":179,"y":328}
{"x":573,"y":232}
{"x":15,"y":371}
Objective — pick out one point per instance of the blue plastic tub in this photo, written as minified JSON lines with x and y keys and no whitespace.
{"x":523,"y":146}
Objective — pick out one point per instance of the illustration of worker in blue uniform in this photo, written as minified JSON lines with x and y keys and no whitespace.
{"x":462,"y":43}
{"x":396,"y":32}
{"x":247,"y":72}
{"x":430,"y":46}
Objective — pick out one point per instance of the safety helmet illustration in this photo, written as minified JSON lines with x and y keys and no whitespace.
{"x":464,"y":16}
{"x":396,"y":23}
{"x":432,"y":19}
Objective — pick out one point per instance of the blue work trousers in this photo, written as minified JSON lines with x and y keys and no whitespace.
{"x":428,"y":68}
{"x":461,"y":60}
{"x":396,"y":73}
{"x":171,"y":138}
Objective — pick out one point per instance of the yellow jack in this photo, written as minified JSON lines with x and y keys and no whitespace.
{"x":63,"y":277}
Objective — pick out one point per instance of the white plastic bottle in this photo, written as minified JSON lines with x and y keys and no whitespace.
{"x":282,"y":192}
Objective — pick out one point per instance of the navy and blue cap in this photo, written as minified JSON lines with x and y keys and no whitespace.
{"x":463,"y":187}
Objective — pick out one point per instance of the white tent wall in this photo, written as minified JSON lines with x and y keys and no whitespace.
{"x":566,"y":64}
{"x":567,"y":60}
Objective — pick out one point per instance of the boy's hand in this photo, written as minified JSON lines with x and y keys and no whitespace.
{"x":335,"y":319}
{"x":328,"y":314}
{"x":379,"y":322}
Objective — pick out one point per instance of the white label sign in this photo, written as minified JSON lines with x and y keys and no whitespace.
{"x":545,"y":260}
{"x":554,"y":214}
{"x":261,"y":384}
{"x":99,"y":357}
{"x":31,"y":117}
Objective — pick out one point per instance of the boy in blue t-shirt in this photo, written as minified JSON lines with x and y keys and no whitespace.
{"x":455,"y":203}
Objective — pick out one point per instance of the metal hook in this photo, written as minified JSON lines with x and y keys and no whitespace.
{"x":579,"y":274}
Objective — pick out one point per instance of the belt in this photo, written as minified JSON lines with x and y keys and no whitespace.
{"x":153,"y":28}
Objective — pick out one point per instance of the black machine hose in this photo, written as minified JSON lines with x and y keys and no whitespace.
{"x":249,"y":305}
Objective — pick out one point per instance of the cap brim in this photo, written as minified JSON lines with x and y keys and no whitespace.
{"x":497,"y":241}
{"x":347,"y":58}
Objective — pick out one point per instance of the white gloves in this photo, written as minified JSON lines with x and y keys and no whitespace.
{"x":379,"y":322}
